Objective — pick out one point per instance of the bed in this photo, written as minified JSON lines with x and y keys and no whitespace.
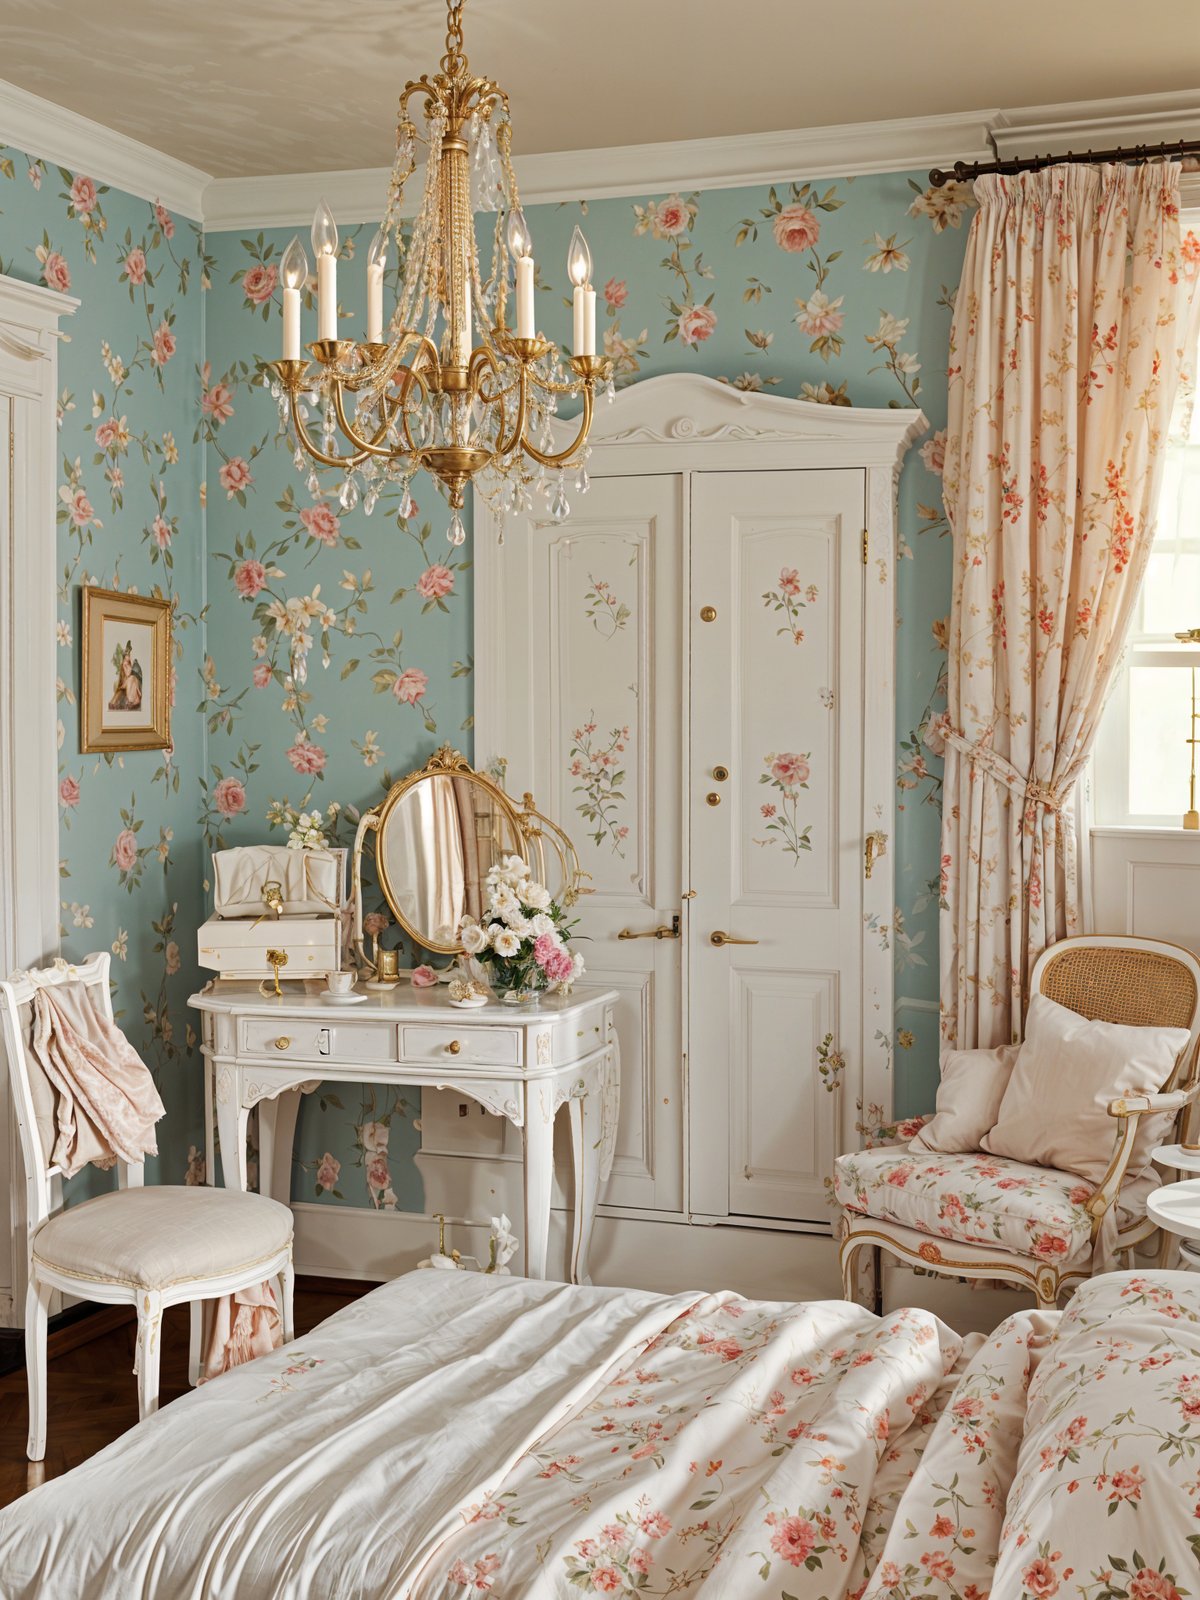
{"x":452,"y":1435}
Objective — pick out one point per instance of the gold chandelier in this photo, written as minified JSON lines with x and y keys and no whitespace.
{"x":451,"y":389}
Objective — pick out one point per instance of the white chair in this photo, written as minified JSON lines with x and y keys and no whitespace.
{"x":1032,"y":1226}
{"x":148,"y":1247}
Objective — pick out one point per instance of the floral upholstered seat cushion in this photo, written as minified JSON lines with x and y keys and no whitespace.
{"x":980,"y":1199}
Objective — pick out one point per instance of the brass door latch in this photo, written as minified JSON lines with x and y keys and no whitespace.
{"x":671,"y":932}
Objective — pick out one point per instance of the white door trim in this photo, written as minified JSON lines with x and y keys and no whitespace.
{"x":29,"y":317}
{"x":683,"y":422}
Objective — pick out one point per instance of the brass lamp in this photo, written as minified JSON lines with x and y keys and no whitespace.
{"x":451,"y":387}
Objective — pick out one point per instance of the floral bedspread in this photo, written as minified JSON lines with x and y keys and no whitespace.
{"x":751,"y":1449}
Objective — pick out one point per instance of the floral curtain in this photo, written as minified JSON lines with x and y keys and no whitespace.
{"x":1065,"y":355}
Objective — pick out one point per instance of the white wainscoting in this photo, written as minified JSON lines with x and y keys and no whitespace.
{"x":1146,"y":881}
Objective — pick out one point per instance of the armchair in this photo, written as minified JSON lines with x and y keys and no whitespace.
{"x":984,"y":1216}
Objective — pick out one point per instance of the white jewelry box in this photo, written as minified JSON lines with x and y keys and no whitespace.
{"x":237,"y":941}
{"x":236,"y":948}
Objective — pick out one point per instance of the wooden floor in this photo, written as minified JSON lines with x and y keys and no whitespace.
{"x":93,"y":1393}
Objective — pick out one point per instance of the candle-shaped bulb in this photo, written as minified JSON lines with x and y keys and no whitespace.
{"x":324,"y":231}
{"x":378,"y":253}
{"x":294,"y":268}
{"x":520,"y":240}
{"x":579,"y":260}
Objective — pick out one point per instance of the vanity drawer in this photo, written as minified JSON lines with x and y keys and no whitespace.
{"x":287,"y":1039}
{"x":489,"y":1047}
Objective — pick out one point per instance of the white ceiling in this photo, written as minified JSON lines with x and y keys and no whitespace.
{"x":273,"y":86}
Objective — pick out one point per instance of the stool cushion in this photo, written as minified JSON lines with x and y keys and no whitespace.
{"x":155,"y":1237}
{"x":981,"y":1199}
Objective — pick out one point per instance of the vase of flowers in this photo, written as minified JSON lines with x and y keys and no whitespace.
{"x":521,"y":939}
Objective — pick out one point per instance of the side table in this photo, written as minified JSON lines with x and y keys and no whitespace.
{"x":1176,"y":1206}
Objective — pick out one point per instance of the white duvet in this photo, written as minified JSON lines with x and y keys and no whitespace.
{"x":454,"y":1436}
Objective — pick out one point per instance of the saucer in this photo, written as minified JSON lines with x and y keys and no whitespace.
{"x":475,"y":1001}
{"x":381,"y":988}
{"x":332,"y":999}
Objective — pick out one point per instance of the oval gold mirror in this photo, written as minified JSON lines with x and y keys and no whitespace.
{"x":437,"y":835}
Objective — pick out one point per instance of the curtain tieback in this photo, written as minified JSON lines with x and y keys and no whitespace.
{"x":1030,"y":790}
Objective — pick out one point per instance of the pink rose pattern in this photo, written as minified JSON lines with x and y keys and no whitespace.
{"x":789,"y":1450}
{"x":136,"y":341}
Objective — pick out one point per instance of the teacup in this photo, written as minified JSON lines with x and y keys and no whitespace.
{"x":340,"y":982}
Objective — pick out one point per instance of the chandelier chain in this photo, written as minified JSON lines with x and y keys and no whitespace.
{"x":454,"y":57}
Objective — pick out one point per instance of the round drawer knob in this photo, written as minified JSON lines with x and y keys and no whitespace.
{"x":454,"y":1047}
{"x":283,"y":1042}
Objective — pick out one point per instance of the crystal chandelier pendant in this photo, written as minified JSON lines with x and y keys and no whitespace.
{"x":455,"y":378}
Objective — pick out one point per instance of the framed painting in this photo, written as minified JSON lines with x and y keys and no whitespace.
{"x":125,"y":700}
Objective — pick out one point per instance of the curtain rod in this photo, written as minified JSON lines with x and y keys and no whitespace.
{"x":965,"y":171}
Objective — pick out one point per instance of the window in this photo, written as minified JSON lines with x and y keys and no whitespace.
{"x":1142,"y":757}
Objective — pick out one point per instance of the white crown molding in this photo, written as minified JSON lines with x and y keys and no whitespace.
{"x":54,"y":133}
{"x":902,"y":145}
{"x":1097,"y":124}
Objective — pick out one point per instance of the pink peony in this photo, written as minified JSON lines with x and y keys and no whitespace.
{"x":125,"y":850}
{"x":378,"y":1176}
{"x":164,"y":219}
{"x":790,"y":769}
{"x":796,"y":228}
{"x":217,"y":403}
{"x":794,"y":1539}
{"x":328,"y":1170}
{"x":259,"y":284}
{"x":606,"y":1579}
{"x":423,"y":977}
{"x":616,"y":292}
{"x":68,"y":792}
{"x":235,"y":475}
{"x":671,"y":216}
{"x":306,"y":757}
{"x":434,"y":582}
{"x":261,"y":674}
{"x":83,"y":196}
{"x":1149,"y":1585}
{"x":161,"y":530}
{"x":108,"y":433}
{"x":81,"y":509}
{"x":1049,"y":1246}
{"x":696,"y":324}
{"x":410,"y":685}
{"x":1040,"y":1579}
{"x":164,"y":345}
{"x":654,"y":1524}
{"x":134,"y":265}
{"x":249,"y":578}
{"x":56,"y":273}
{"x":229,"y":797}
{"x":321,"y":523}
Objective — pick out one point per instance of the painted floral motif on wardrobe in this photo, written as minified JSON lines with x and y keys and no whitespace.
{"x":339,"y":644}
{"x":129,"y":517}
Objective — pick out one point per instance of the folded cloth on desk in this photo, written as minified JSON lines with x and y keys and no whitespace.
{"x":310,"y":881}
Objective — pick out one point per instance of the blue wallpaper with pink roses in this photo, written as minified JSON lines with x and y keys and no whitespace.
{"x":319,"y":651}
{"x":339,"y":643}
{"x":130,"y":516}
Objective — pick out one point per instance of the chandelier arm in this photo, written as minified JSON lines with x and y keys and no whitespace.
{"x":505,"y":447}
{"x":561,"y":457}
{"x":365,"y":447}
{"x":318,"y":455}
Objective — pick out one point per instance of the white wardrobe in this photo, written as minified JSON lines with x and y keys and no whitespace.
{"x":694,"y":675}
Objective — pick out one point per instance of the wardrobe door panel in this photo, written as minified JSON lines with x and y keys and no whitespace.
{"x":776,"y":846}
{"x":592,"y":628}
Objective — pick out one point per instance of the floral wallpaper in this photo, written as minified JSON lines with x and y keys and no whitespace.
{"x":339,"y":639}
{"x":130,"y":516}
{"x":322,"y":650}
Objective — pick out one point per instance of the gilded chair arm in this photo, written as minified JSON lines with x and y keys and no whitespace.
{"x":1128,"y":1110}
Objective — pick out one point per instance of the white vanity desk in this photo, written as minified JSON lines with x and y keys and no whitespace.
{"x":521,"y":1062}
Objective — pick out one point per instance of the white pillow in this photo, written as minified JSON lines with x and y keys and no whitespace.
{"x":968,"y":1099}
{"x":1055,"y":1109}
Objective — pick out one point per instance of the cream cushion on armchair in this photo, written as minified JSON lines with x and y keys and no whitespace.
{"x":152,"y":1238}
{"x":981,"y":1199}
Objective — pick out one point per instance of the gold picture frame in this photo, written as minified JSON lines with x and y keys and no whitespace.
{"x":125,"y":699}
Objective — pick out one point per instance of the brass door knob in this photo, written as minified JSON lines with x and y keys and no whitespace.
{"x":708,"y":613}
{"x":720,"y":774}
{"x":282,"y":1042}
{"x":713,"y":798}
{"x":454,"y":1047}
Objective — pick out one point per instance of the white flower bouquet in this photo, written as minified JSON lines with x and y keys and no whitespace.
{"x":521,"y":939}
